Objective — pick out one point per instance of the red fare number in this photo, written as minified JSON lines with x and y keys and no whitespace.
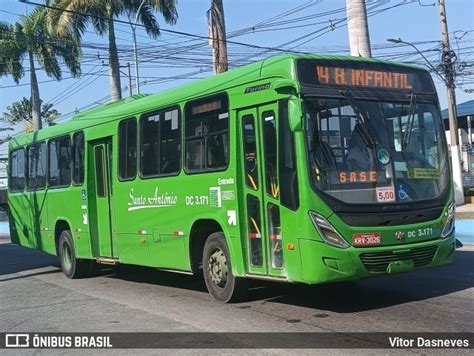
{"x":385,"y":194}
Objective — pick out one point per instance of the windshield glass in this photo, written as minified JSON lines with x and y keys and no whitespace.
{"x":366,"y":152}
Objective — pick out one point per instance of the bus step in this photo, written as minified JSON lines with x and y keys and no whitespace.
{"x":107,"y":261}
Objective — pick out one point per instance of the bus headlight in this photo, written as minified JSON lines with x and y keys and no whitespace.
{"x":450,"y":218}
{"x":328,"y":233}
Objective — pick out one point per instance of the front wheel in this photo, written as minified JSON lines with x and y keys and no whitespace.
{"x":217,"y":269}
{"x":72,"y":267}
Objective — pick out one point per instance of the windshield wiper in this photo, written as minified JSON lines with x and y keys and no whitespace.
{"x":410,"y":121}
{"x":362,"y":129}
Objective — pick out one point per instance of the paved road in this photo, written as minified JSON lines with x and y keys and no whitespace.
{"x":35,"y":296}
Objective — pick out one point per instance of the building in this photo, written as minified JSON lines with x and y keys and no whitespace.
{"x":466,"y":140}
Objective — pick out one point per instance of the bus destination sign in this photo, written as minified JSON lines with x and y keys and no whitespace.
{"x":364,"y":78}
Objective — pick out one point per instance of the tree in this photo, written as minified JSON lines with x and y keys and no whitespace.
{"x":101,"y":14}
{"x":22,"y":111}
{"x":359,"y":39}
{"x":31,"y":38}
{"x":216,"y":22}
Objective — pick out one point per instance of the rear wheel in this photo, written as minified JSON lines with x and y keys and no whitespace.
{"x":220,"y":282}
{"x":72,"y":267}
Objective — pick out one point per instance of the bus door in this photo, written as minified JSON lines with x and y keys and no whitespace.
{"x":100,"y":201}
{"x":259,"y":130}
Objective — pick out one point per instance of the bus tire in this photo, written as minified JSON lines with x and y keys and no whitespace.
{"x":222,"y":285}
{"x":72,"y":267}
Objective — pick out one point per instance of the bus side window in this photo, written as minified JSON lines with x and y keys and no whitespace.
{"x":160,"y":144}
{"x":36,"y":157}
{"x":254,"y":230}
{"x":270,"y":151}
{"x":250,"y":152}
{"x":127,"y":149}
{"x":207,"y":134}
{"x":149,"y":145}
{"x":274,"y":230}
{"x":287,"y":163}
{"x":17,"y":170}
{"x":170,"y":157}
{"x":60,"y":162}
{"x":78,"y":158}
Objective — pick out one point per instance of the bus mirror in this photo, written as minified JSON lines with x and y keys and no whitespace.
{"x":294,"y":115}
{"x":284,"y":86}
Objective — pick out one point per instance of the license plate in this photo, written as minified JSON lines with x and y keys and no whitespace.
{"x":369,"y":239}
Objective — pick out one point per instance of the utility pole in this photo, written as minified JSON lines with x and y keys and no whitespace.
{"x":129,"y":80}
{"x":449,"y":72}
{"x":359,"y":40}
{"x":217,"y":36}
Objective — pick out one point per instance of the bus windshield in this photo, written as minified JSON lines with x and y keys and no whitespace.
{"x":376,"y":152}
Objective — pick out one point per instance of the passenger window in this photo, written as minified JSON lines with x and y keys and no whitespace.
{"x":127,"y":149}
{"x":254,"y":230}
{"x":274,"y":228}
{"x":78,"y":158}
{"x":270,"y":149}
{"x":149,"y":142}
{"x":60,"y":162}
{"x":36,"y":166}
{"x":17,"y":170}
{"x":207,"y":135}
{"x":288,"y":176}
{"x":160,"y":144}
{"x":250,"y":152}
{"x":100,"y":171}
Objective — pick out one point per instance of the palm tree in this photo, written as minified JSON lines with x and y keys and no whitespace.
{"x":22,"y":111}
{"x":77,"y":14}
{"x":216,"y":21}
{"x":30,"y":38}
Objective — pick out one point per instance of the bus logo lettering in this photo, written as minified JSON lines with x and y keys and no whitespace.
{"x":156,"y":201}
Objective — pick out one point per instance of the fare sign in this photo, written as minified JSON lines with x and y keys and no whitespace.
{"x":364,"y":78}
{"x":366,"y":239}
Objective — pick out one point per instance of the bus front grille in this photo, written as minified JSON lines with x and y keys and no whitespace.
{"x":378,"y":262}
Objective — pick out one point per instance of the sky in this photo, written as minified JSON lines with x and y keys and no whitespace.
{"x":173,"y":59}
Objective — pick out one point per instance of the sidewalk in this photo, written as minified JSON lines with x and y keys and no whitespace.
{"x":465,"y":211}
{"x":465,"y":223}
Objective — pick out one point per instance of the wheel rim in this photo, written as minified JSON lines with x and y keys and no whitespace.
{"x":218,"y":270}
{"x":67,"y":256}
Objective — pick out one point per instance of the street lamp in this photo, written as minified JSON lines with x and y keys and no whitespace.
{"x":429,"y":64}
{"x":448,"y":80}
{"x":135,"y":50}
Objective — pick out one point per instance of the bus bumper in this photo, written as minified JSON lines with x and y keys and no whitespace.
{"x":321,"y":263}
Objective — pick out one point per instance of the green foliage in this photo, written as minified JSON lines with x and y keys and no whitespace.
{"x":80,"y":12}
{"x":32,"y":35}
{"x":101,"y":13}
{"x":22,"y":112}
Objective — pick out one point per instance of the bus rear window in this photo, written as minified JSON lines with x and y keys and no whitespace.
{"x":17,"y":170}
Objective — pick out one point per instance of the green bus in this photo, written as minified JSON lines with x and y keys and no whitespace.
{"x":297,"y":168}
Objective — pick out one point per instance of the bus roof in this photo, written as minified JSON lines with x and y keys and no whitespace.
{"x":282,"y":66}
